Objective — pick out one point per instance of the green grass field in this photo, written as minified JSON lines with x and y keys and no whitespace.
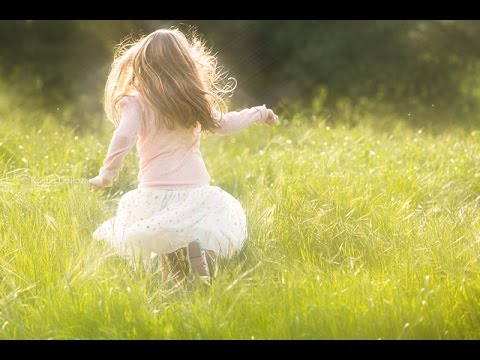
{"x":361,"y":232}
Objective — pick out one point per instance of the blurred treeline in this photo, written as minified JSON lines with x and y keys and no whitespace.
{"x":428,"y":69}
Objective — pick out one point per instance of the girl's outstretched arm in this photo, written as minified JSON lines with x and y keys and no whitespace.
{"x":123,"y":139}
{"x":235,"y":121}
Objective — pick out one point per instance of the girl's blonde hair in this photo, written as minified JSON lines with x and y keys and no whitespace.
{"x":179,"y":79}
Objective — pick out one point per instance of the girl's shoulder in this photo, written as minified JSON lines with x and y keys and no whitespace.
{"x":131,"y":106}
{"x":130,"y":102}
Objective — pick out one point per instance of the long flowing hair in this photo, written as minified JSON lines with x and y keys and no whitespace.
{"x":179,"y":79}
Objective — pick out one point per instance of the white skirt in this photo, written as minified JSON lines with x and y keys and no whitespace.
{"x":162,"y":221}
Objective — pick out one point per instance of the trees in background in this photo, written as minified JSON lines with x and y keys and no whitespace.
{"x":404,"y":64}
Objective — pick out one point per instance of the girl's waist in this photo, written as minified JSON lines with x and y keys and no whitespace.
{"x":191,"y":171}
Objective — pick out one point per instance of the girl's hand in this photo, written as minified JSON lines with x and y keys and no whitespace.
{"x":270,"y":118}
{"x":99,"y":183}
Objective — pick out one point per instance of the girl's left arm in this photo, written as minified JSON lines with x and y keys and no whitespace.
{"x":123,"y":139}
{"x":235,"y":121}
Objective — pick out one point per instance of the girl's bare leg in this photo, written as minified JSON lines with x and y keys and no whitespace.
{"x":165,"y":267}
{"x":177,"y":262}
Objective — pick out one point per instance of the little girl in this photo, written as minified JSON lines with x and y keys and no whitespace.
{"x":162,"y":91}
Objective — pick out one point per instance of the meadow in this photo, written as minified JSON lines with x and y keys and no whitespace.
{"x":369,"y":231}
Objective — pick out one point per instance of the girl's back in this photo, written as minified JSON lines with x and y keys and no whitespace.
{"x":169,"y":158}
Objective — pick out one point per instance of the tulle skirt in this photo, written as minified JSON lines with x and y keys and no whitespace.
{"x":158,"y":221}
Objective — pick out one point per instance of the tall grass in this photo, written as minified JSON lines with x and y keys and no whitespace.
{"x":361,"y":232}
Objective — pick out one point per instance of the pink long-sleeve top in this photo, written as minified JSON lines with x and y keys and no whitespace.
{"x":169,"y":159}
